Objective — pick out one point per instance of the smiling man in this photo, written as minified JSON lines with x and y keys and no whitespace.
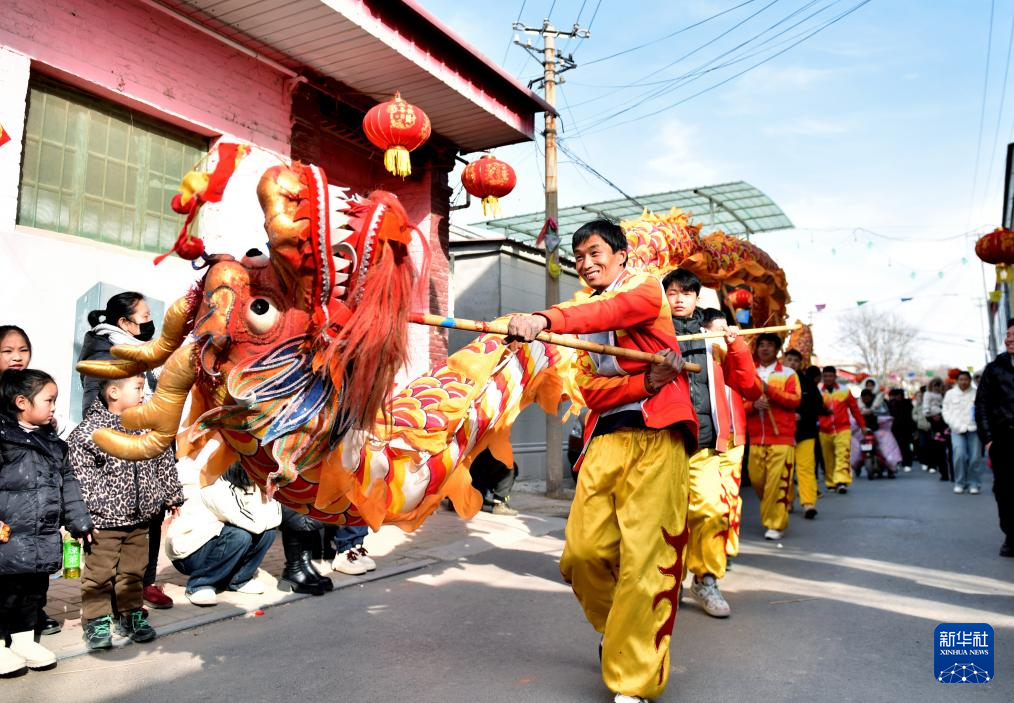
{"x":632,"y":487}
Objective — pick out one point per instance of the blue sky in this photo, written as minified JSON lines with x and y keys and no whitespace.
{"x":866,"y":135}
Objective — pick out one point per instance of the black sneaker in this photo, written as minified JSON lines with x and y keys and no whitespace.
{"x":50,"y":626}
{"x":135,"y":626}
{"x":810,"y":513}
{"x":97,"y":633}
{"x":842,"y":488}
{"x":1006,"y":550}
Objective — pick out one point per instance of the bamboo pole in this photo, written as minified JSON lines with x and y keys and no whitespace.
{"x":547,"y":337}
{"x":741,"y":333}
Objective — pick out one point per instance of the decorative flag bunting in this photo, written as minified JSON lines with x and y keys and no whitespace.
{"x":4,"y":135}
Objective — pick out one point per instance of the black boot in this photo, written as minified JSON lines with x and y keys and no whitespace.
{"x":295,"y":576}
{"x":326,"y":583}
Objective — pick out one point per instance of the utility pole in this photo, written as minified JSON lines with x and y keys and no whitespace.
{"x":554,"y":64}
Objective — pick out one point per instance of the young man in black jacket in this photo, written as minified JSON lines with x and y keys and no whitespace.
{"x":994,"y":419}
{"x":810,"y":408}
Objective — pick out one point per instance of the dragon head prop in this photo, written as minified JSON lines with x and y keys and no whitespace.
{"x":288,"y":349}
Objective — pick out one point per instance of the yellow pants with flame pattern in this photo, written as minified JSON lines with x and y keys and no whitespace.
{"x":732,"y":475}
{"x":626,"y":540}
{"x":770,"y":467}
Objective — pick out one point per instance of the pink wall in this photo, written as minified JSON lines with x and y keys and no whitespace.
{"x":152,"y":62}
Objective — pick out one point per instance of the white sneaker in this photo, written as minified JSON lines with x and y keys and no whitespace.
{"x":707,"y":595}
{"x":203,"y":597}
{"x":323,"y":566}
{"x":973,"y":491}
{"x":620,"y":698}
{"x":36,"y":657}
{"x":253,"y":587}
{"x":364,"y":557}
{"x":932,"y":471}
{"x":348,"y":562}
{"x":773,"y":535}
{"x":11,"y":663}
{"x":906,"y":469}
{"x":959,"y":489}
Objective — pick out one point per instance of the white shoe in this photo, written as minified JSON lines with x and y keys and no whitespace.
{"x":959,"y":489}
{"x":323,"y":566}
{"x":773,"y":535}
{"x":11,"y":663}
{"x":348,"y":562}
{"x":620,"y":698}
{"x":253,"y":587}
{"x":364,"y":557}
{"x":707,"y":595}
{"x":932,"y":471}
{"x":36,"y":657}
{"x":973,"y":491}
{"x":203,"y":597}
{"x":906,"y":469}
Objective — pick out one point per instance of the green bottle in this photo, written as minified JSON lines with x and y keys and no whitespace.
{"x":71,"y":558}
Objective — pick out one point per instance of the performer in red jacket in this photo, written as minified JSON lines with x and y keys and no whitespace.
{"x":631,"y":497}
{"x":771,"y":424}
{"x":836,"y":432}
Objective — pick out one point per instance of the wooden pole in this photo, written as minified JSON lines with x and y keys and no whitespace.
{"x":547,"y":337}
{"x":742,"y":333}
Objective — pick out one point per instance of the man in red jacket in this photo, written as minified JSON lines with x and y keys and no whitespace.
{"x":836,"y":432}
{"x":631,"y":497}
{"x":771,"y":423}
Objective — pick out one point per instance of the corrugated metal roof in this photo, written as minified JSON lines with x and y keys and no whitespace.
{"x":736,"y":208}
{"x":377,"y":48}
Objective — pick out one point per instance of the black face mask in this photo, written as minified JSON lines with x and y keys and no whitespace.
{"x":147,"y":331}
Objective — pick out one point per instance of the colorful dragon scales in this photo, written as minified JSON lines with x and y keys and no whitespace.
{"x":287,"y":359}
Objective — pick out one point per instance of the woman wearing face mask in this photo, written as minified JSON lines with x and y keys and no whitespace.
{"x":126,"y":320}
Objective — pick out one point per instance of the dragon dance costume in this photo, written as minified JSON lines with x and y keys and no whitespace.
{"x":836,"y":434}
{"x":631,"y":497}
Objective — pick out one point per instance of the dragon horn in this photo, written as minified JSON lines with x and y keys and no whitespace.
{"x":134,"y":360}
{"x":160,"y":415}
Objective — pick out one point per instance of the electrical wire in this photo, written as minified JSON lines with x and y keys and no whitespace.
{"x":588,"y":167}
{"x":599,"y":127}
{"x":999,"y":114}
{"x":982,"y":111}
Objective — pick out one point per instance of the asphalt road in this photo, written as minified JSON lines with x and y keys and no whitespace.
{"x":843,"y":609}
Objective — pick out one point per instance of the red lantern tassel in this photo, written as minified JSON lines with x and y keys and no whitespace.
{"x":397,"y":161}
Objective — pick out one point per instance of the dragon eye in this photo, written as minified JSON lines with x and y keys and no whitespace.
{"x":262,"y":315}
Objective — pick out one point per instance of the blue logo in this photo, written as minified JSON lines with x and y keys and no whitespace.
{"x":963,"y":652}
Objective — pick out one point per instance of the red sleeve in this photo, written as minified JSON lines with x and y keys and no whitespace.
{"x":636,"y":301}
{"x":854,"y":409}
{"x":740,"y":372}
{"x":787,"y":395}
{"x":606,"y":392}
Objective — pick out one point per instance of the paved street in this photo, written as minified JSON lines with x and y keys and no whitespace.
{"x":843,"y":610}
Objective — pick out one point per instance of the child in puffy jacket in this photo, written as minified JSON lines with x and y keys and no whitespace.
{"x":38,"y":493}
{"x":122,"y":497}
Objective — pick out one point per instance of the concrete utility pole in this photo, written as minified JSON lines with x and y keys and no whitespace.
{"x":554,"y":63}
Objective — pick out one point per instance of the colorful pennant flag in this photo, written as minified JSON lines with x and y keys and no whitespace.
{"x":4,"y":135}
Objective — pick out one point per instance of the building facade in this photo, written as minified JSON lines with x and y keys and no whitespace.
{"x":108,"y":103}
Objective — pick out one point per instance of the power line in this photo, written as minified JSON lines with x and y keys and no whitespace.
{"x":999,"y":114}
{"x":685,"y":56}
{"x":670,"y":35}
{"x":511,"y":41}
{"x":588,"y":167}
{"x":827,"y":24}
{"x":982,"y":111}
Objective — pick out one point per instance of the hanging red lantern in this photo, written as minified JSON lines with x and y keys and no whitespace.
{"x":997,"y":247}
{"x":740,"y":299}
{"x":398,"y":127}
{"x":489,"y":178}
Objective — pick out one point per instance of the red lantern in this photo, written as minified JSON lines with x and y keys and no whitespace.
{"x":997,"y":247}
{"x":397,"y":127}
{"x":489,"y":178}
{"x":740,"y":299}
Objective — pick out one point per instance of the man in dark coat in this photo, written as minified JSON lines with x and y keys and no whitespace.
{"x":994,"y":419}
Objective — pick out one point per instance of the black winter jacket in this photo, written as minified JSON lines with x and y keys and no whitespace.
{"x":700,"y":394}
{"x":994,"y":401}
{"x":38,"y":493}
{"x":119,"y":493}
{"x":811,"y":407}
